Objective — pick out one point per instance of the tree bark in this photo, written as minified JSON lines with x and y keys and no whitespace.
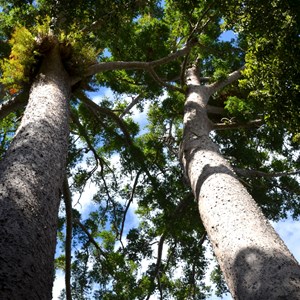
{"x":32,"y":173}
{"x":255,"y":262}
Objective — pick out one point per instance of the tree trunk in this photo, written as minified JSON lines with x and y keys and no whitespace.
{"x":254,"y":260}
{"x":32,"y":173}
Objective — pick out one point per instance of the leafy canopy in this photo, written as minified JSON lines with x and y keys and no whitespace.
{"x":163,"y":253}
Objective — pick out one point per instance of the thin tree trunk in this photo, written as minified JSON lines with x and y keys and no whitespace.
{"x":254,"y":260}
{"x":31,"y":176}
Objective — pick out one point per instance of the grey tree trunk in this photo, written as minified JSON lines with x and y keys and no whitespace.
{"x":254,"y":260}
{"x":31,"y":176}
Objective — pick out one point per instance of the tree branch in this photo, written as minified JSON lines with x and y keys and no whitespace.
{"x":91,"y":239}
{"x":233,"y":125}
{"x":218,"y":85}
{"x":256,"y":173}
{"x":134,"y":65}
{"x":140,"y":155}
{"x":205,"y":79}
{"x":163,"y":83}
{"x":179,"y":53}
{"x":15,"y":103}
{"x":103,"y":110}
{"x":116,"y":65}
{"x":131,"y":105}
{"x":83,"y":133}
{"x":215,"y":110}
{"x":99,"y":160}
{"x":128,"y":204}
{"x":204,"y":13}
{"x":158,"y":263}
{"x":68,"y":246}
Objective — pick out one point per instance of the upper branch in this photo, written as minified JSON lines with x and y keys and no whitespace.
{"x":161,"y":82}
{"x":128,"y":205}
{"x":131,"y":105}
{"x":256,"y":173}
{"x":116,"y":65}
{"x":234,"y":125}
{"x":11,"y":105}
{"x":96,"y":109}
{"x":103,"y":110}
{"x":218,"y":85}
{"x":135,"y":65}
{"x":91,"y":239}
{"x":215,"y":110}
{"x":84,"y":134}
{"x":185,"y":50}
{"x":158,"y":263}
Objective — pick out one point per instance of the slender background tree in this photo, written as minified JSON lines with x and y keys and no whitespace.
{"x":216,"y":110}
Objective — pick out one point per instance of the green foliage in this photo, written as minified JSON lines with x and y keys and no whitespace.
{"x":78,"y":53}
{"x":238,"y":107}
{"x":27,"y":45}
{"x":60,"y":262}
{"x":16,"y":69}
{"x":108,"y":151}
{"x":7,"y":125}
{"x":271,"y":32}
{"x":296,"y":138}
{"x":217,"y":278}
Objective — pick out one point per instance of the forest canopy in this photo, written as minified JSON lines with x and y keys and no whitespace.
{"x":140,"y":51}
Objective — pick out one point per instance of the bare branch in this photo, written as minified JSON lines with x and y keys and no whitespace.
{"x":205,"y":79}
{"x":215,"y":110}
{"x":233,"y":125}
{"x":158,"y":263}
{"x":116,"y":65}
{"x":99,"y":160}
{"x":15,"y":103}
{"x":134,"y":65}
{"x":109,"y":113}
{"x":68,"y":246}
{"x":163,"y":83}
{"x":185,"y":50}
{"x":97,"y":109}
{"x":128,"y":204}
{"x":131,"y":105}
{"x":103,"y":110}
{"x":90,"y":237}
{"x":218,"y":85}
{"x":83,"y":133}
{"x":256,"y":173}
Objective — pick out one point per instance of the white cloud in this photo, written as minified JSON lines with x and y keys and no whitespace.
{"x":106,"y":93}
{"x":141,"y":117}
{"x":84,"y":203}
{"x":59,"y":284}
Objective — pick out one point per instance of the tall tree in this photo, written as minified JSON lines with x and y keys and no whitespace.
{"x":54,"y":53}
{"x":31,"y":175}
{"x":254,"y":260}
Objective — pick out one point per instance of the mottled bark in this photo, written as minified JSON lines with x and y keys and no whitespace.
{"x":31,"y":174}
{"x":254,"y":260}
